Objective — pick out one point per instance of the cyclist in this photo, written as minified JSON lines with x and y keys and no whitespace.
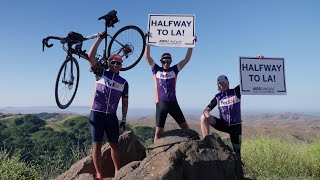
{"x":228,"y":101}
{"x":103,"y":118}
{"x":165,"y":83}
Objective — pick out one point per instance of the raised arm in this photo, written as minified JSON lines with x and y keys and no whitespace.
{"x":148,"y":57}
{"x":186,"y":59}
{"x":188,"y":56}
{"x":93,"y":51}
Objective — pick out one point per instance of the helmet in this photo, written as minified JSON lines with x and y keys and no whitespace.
{"x":222,"y":79}
{"x":115,"y":57}
{"x":165,"y":56}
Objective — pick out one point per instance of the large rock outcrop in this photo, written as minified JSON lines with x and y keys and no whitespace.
{"x":130,"y":150}
{"x":180,"y":155}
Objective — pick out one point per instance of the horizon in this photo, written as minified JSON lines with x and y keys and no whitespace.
{"x":140,"y":112}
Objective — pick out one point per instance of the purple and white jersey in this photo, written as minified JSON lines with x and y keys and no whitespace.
{"x":109,"y":89}
{"x":229,"y":106}
{"x":165,"y":82}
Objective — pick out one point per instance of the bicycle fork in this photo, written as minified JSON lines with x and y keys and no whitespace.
{"x":71,"y":79}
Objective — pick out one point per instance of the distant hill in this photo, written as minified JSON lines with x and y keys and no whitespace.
{"x":290,"y":126}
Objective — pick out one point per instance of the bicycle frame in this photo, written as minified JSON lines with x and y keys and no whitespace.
{"x":68,"y":74}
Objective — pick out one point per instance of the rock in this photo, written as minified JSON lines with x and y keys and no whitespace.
{"x":180,"y":155}
{"x":130,"y":150}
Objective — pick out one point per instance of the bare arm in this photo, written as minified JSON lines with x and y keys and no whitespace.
{"x":125,"y":102}
{"x":186,"y":59}
{"x":93,"y":51}
{"x":148,"y":57}
{"x":207,"y":110}
{"x":188,"y":56}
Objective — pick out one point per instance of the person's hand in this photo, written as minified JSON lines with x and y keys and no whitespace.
{"x":102,"y":35}
{"x":195,"y":38}
{"x":206,"y":113}
{"x":123,"y":124}
{"x":147,"y":34}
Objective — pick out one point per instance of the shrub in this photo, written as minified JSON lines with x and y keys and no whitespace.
{"x":12,"y":168}
{"x":278,"y":159}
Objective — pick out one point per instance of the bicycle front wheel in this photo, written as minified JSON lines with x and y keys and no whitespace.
{"x":67,"y":82}
{"x":129,"y":42}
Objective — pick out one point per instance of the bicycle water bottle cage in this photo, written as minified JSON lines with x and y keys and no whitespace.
{"x":74,"y":37}
{"x":110,"y":18}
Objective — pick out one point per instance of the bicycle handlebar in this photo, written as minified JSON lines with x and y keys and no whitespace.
{"x":78,"y":48}
{"x":46,"y":40}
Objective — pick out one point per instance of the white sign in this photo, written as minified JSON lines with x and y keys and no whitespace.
{"x":171,"y":30}
{"x":264,"y":76}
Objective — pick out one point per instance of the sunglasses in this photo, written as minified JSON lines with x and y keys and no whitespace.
{"x":115,"y":63}
{"x":166,"y":62}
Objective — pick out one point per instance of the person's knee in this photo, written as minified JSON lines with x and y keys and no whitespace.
{"x":97,"y":145}
{"x":114,"y":145}
{"x":202,"y":118}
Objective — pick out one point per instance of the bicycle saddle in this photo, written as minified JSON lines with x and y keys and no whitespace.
{"x":110,"y":18}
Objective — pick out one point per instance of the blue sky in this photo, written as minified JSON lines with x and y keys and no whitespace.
{"x":225,"y":31}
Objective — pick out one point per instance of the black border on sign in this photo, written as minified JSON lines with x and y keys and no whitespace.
{"x":281,"y":59}
{"x":193,"y":19}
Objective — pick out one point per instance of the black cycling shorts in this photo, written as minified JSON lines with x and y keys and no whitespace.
{"x":171,"y":107}
{"x":234,"y":131}
{"x":101,"y":122}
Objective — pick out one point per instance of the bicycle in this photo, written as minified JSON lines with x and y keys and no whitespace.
{"x":67,"y":80}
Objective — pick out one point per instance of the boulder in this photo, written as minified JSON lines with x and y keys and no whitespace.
{"x":181,"y":155}
{"x":130,"y":150}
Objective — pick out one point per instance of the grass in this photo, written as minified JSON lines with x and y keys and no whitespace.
{"x":267,"y":158}
{"x":58,"y":127}
{"x":11,"y":167}
{"x":9,"y":121}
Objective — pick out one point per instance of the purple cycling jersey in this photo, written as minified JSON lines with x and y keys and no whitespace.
{"x":165,"y":83}
{"x":109,"y":89}
{"x":229,"y":105}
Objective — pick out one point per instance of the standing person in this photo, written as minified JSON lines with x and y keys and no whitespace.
{"x":103,"y":118}
{"x":165,"y":78}
{"x":228,"y":101}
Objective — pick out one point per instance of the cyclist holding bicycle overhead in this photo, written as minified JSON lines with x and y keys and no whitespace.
{"x":165,"y":83}
{"x":103,"y":118}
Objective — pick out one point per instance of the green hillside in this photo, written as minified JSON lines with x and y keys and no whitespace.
{"x":54,"y":145}
{"x":39,"y":148}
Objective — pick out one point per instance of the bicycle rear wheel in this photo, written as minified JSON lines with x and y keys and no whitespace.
{"x":129,"y":42}
{"x":67,"y":82}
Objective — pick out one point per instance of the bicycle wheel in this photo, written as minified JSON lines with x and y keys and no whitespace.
{"x":129,"y":42}
{"x":67,"y":82}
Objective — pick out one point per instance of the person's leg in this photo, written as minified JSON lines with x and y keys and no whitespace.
{"x":175,"y":111}
{"x":97,"y":132}
{"x":184,"y":126}
{"x":96,"y":156}
{"x":161,"y":116}
{"x":112,"y":131}
{"x":236,"y":143}
{"x":115,"y":155}
{"x":205,"y":123}
{"x":159,"y":131}
{"x":235,"y":137}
